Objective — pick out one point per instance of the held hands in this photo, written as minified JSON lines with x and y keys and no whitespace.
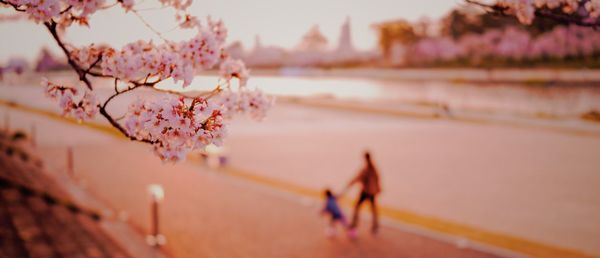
{"x":344,"y":191}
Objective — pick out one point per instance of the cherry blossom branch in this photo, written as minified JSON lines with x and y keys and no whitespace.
{"x":14,"y":6}
{"x":87,"y":71}
{"x":110,"y":5}
{"x":541,"y":12}
{"x":113,"y":122}
{"x":488,"y":7}
{"x":66,"y":9}
{"x":177,"y":122}
{"x":99,"y":75}
{"x":52,"y":28}
{"x":117,"y":94}
{"x":568,"y":19}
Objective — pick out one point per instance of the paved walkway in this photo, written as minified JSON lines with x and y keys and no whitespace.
{"x":540,"y":146}
{"x":207,"y":214}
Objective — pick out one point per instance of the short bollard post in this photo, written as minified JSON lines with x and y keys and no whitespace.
{"x":70,"y":165}
{"x":33,"y":139}
{"x":157,"y":194}
{"x":6,"y":120}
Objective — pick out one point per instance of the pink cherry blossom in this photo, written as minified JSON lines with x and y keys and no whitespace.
{"x":173,"y":125}
{"x":244,"y":101}
{"x":179,"y":61}
{"x":84,"y":109}
{"x":593,"y":7}
{"x":233,"y":68}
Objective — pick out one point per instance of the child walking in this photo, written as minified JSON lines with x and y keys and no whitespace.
{"x":332,"y":209}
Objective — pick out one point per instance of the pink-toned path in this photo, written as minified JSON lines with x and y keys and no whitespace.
{"x":532,"y":183}
{"x":206,"y":214}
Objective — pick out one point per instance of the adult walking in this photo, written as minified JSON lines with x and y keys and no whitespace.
{"x":368,"y":178}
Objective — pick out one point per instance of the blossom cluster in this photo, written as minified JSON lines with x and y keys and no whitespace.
{"x":65,"y":11}
{"x":244,"y":101}
{"x":593,"y":7}
{"x":178,"y":60}
{"x":143,"y":59}
{"x":87,"y":56}
{"x":524,"y":10}
{"x":233,"y":68}
{"x":45,"y":10}
{"x":175,"y":126}
{"x":179,"y":5}
{"x":83,"y":109}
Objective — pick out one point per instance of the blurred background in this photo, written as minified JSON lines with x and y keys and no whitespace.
{"x":486,"y":132}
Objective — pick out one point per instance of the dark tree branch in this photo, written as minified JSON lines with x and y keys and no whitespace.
{"x":14,"y":6}
{"x":66,"y":9}
{"x":99,"y":75}
{"x":120,"y":128}
{"x":52,"y":28}
{"x":117,"y":94}
{"x":114,"y":123}
{"x":51,"y":25}
{"x":542,"y":12}
{"x":87,"y":71}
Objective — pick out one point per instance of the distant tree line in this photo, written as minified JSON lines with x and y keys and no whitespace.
{"x":469,"y":36}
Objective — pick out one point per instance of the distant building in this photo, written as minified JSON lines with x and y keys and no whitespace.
{"x":47,"y":62}
{"x":261,"y":56}
{"x":345,"y":50}
{"x":313,"y":41}
{"x":312,"y":50}
{"x":236,"y":50}
{"x":16,"y":65}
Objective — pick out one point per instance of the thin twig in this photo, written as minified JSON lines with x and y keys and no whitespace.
{"x":66,"y":9}
{"x":116,"y":89}
{"x":94,"y":64}
{"x":121,"y":129}
{"x":149,"y":26}
{"x":117,"y":94}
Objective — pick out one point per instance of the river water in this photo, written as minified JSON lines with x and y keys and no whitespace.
{"x":507,"y":98}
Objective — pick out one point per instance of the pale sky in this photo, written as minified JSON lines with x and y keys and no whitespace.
{"x":278,"y":22}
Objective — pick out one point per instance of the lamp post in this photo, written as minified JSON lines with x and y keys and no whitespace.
{"x":215,"y":158}
{"x":157,"y":194}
